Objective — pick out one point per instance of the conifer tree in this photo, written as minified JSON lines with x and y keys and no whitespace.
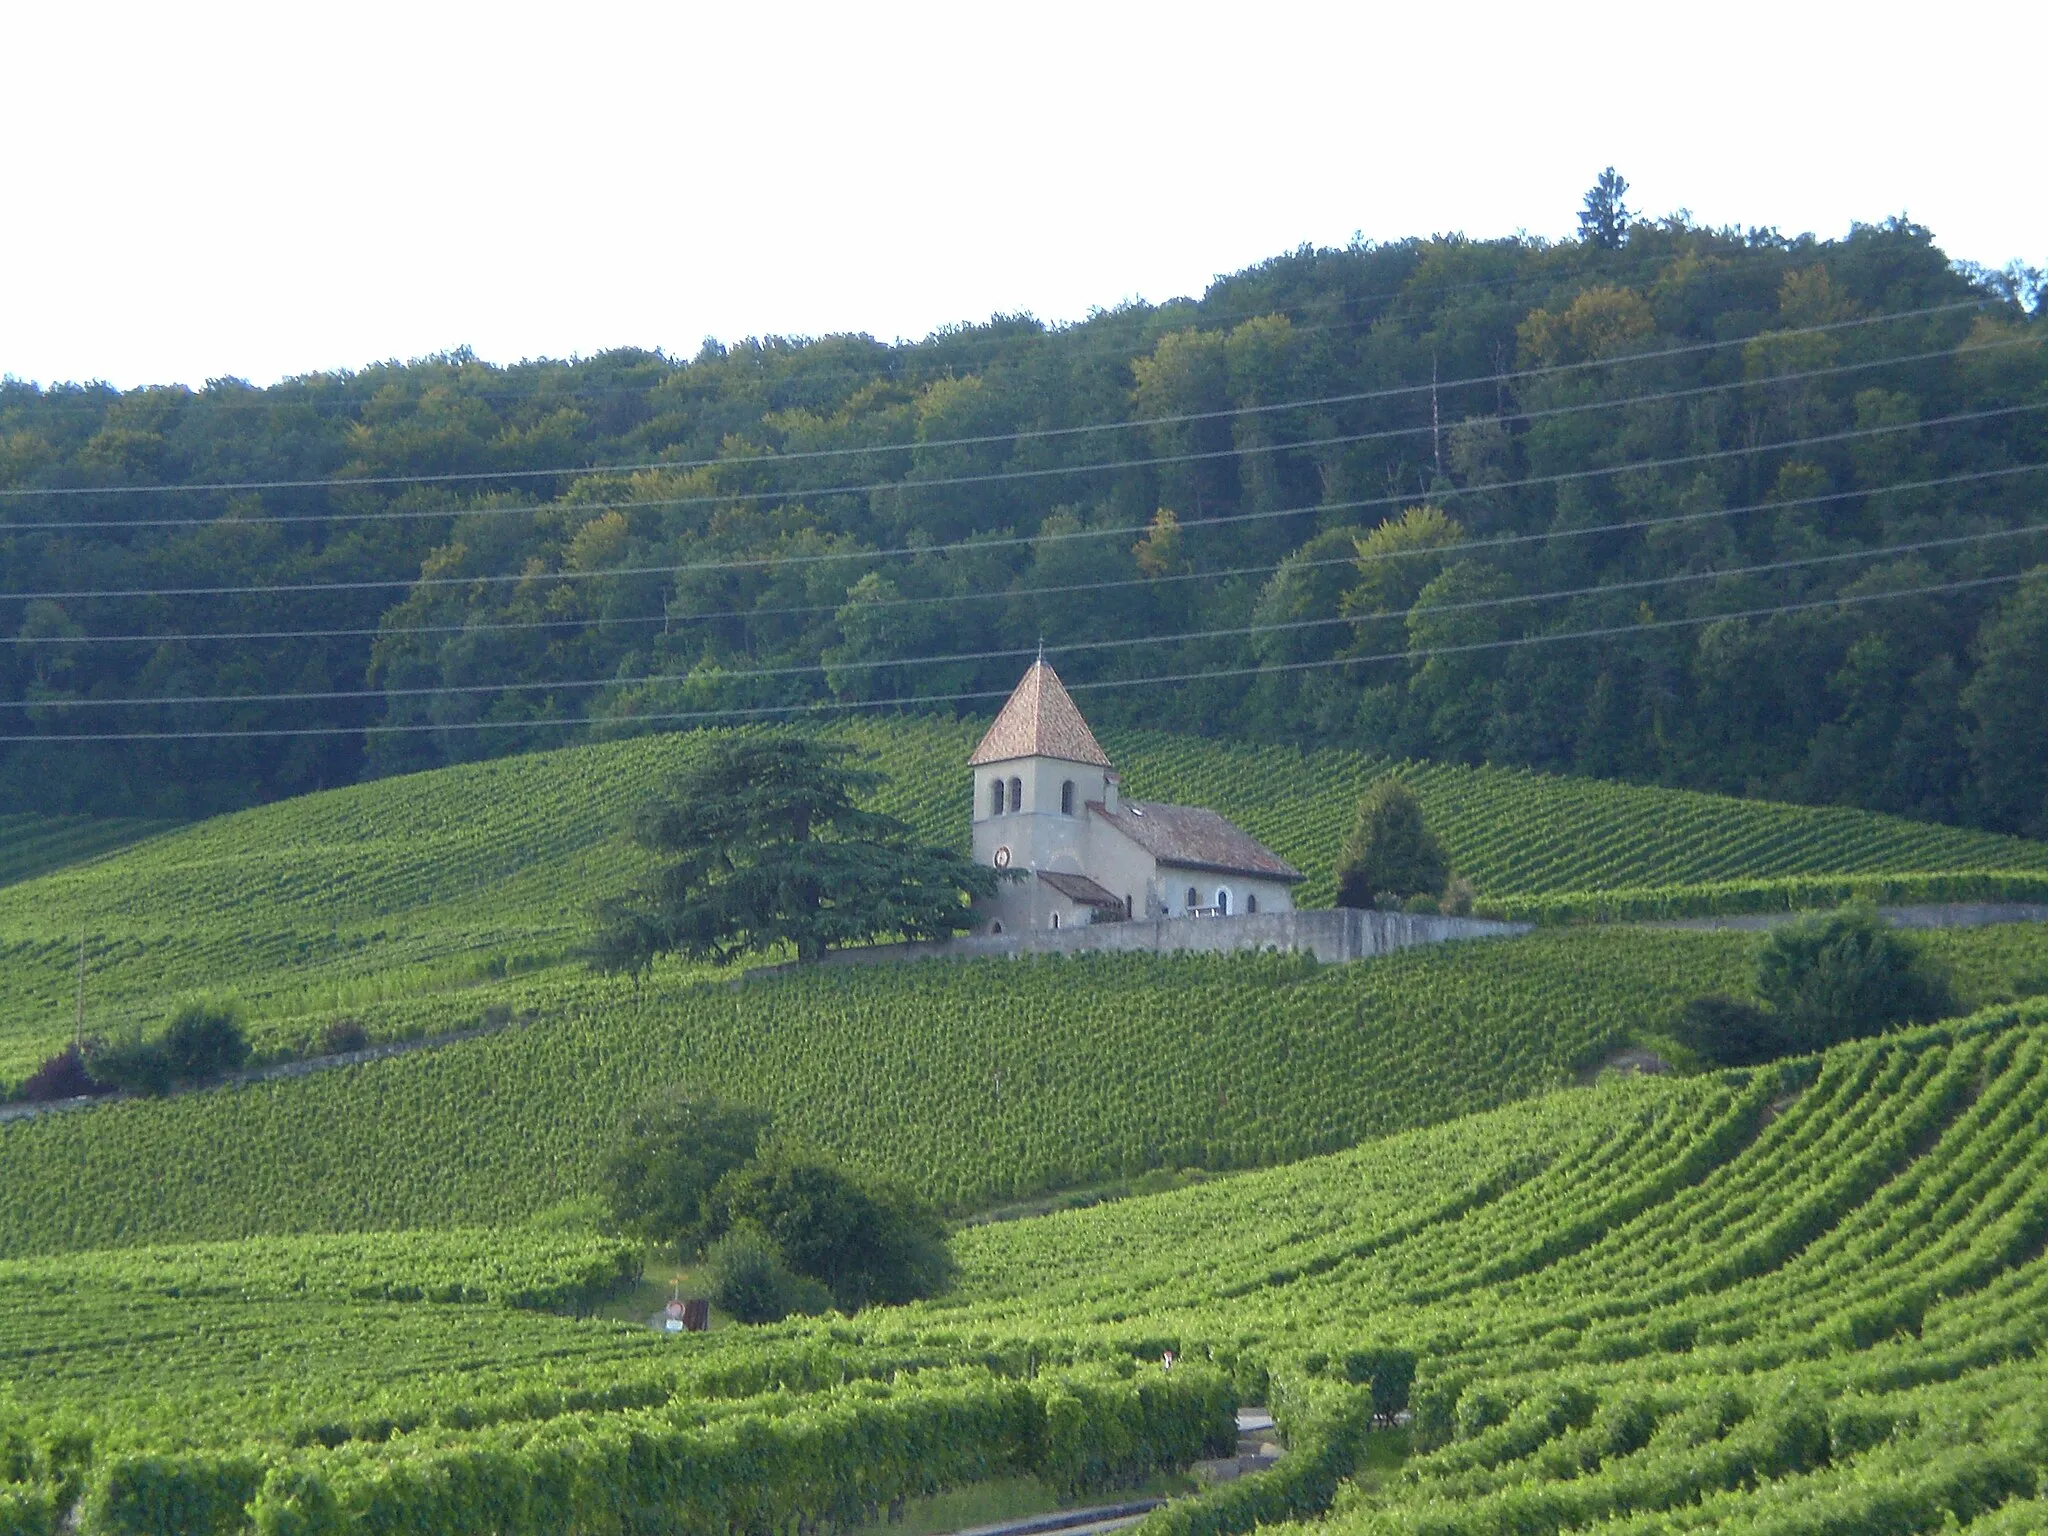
{"x":763,"y":845}
{"x":1603,"y":221}
{"x":1391,"y":853}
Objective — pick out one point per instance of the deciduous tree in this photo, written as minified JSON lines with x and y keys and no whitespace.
{"x":2008,"y":703}
{"x":659,"y":1176}
{"x":1846,"y":974}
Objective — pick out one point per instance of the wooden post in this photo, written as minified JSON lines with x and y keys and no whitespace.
{"x":78,"y":1032}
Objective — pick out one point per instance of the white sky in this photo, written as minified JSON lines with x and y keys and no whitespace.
{"x":199,"y":189}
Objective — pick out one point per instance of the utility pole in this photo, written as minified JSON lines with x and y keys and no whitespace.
{"x":78,"y":1032}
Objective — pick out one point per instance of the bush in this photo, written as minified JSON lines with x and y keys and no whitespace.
{"x":342,"y":1036}
{"x":132,"y":1066}
{"x":1729,"y":1032}
{"x":205,"y":1041}
{"x":1391,"y":854}
{"x":866,"y":1244}
{"x":751,"y":1283}
{"x":1846,"y":975}
{"x":62,"y":1076}
{"x":659,"y":1177}
{"x":1390,"y":1373}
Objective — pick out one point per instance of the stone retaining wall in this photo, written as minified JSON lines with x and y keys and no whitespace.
{"x":1334,"y":935}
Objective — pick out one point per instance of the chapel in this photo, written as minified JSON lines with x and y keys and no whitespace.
{"x":1046,"y":802}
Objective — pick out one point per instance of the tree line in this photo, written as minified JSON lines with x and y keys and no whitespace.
{"x":1635,"y":505}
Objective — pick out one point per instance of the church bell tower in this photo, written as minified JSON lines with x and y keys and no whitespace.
{"x":1034,"y":774}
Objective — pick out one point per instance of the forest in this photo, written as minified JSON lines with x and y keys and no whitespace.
{"x":1679,"y":505}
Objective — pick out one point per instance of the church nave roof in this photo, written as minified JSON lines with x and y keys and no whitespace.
{"x":1193,"y":837}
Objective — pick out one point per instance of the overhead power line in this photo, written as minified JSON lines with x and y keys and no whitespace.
{"x":601,"y":621}
{"x":419,"y":514}
{"x":723,"y":675}
{"x":1608,"y":631}
{"x":759,"y":562}
{"x":560,"y":471}
{"x":818,"y":708}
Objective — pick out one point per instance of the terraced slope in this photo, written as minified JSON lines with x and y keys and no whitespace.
{"x":1807,"y":1299}
{"x":418,"y":884}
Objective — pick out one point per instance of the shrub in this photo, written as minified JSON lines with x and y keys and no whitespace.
{"x":659,"y":1176}
{"x":1390,"y":1373}
{"x":132,"y":1066}
{"x":867,"y":1244}
{"x":62,"y":1076}
{"x":1729,"y":1032}
{"x":342,"y":1036}
{"x":1391,"y":854}
{"x":205,"y":1041}
{"x":1847,"y":974}
{"x":751,"y":1283}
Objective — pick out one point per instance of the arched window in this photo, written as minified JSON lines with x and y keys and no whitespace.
{"x":1222,"y":902}
{"x":1067,"y":798}
{"x":996,"y":926}
{"x":1251,"y":904}
{"x":1016,"y":794}
{"x":995,"y":797}
{"x":1194,"y":898}
{"x":1055,"y":920}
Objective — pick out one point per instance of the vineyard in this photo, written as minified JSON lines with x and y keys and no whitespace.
{"x":1810,"y":1297}
{"x":984,"y":1082}
{"x":295,"y":1401}
{"x":1806,"y":1298}
{"x":32,"y":845}
{"x":416,"y":886}
{"x":979,"y":1082}
{"x":1792,"y":893}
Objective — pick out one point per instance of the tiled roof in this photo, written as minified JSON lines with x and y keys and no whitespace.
{"x":1194,"y":838}
{"x":1040,"y":719}
{"x":1080,"y":888}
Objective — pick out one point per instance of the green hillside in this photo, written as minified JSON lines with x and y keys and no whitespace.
{"x":1718,"y":509}
{"x":417,"y":884}
{"x":981,"y":1081}
{"x":32,"y":845}
{"x":1811,"y":1298}
{"x":977,"y":1081}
